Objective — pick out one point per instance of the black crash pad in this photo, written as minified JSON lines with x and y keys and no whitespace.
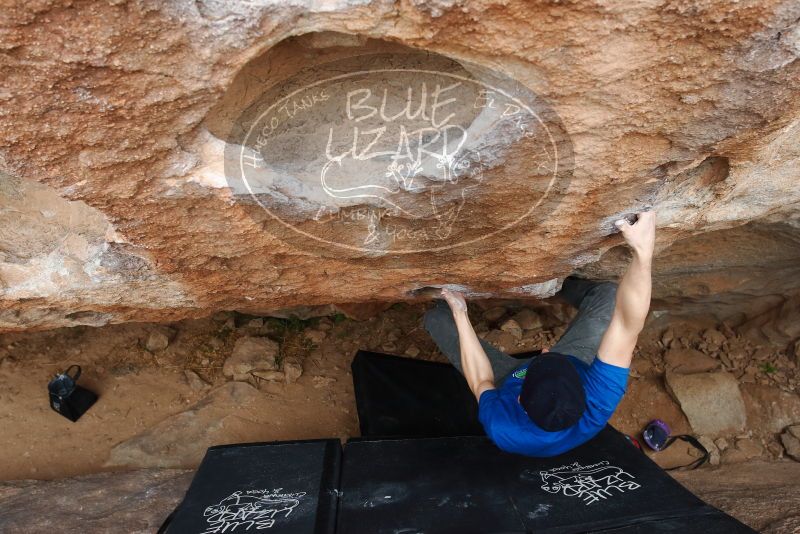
{"x":403,"y":397}
{"x":466,"y":485}
{"x":282,"y":487}
{"x":459,"y":484}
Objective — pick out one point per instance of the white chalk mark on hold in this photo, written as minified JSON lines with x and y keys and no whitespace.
{"x":541,"y":290}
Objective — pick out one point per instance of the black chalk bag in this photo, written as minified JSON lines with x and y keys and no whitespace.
{"x":67,"y":397}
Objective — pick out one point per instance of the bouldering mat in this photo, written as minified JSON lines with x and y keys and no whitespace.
{"x":461,"y":482}
{"x":457,"y":483}
{"x":281,"y":487}
{"x":467,"y":485}
{"x":403,"y":397}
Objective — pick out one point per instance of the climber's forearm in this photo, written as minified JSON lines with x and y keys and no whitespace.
{"x":630,"y":312}
{"x":474,"y":362}
{"x":633,"y":294}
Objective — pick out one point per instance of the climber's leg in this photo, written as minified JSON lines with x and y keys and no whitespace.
{"x":595,"y":302}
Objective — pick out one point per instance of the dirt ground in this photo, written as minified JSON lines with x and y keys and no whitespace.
{"x":141,"y":387}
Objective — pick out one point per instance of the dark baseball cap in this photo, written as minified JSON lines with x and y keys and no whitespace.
{"x":552,"y":393}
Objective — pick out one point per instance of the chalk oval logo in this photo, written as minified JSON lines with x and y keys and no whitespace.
{"x":393,"y":154}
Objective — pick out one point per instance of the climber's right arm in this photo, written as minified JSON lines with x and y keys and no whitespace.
{"x":474,"y":363}
{"x":633,"y":293}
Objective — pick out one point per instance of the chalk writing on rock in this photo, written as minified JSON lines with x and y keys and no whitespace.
{"x":397,"y":154}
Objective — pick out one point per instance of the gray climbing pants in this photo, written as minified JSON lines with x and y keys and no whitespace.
{"x":595,"y":303}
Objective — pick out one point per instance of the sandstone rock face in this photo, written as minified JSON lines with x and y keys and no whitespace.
{"x":251,"y":354}
{"x":160,"y":161}
{"x":182,"y":439}
{"x":770,"y":408}
{"x":763,"y":495}
{"x":157,"y":341}
{"x":689,"y":361}
{"x":791,"y":441}
{"x":135,"y":502}
{"x":745,"y":449}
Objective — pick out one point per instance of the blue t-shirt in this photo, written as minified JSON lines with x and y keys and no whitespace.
{"x":509,"y":426}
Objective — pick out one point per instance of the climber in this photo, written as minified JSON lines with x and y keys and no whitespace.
{"x":551,"y":403}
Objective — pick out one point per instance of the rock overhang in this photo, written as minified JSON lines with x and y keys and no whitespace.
{"x":696,"y":121}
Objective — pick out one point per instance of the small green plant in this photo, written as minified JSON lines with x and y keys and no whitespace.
{"x":768,"y":368}
{"x":339,"y":318}
{"x":289,"y":333}
{"x":292,"y":325}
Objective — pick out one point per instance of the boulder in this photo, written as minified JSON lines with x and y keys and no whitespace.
{"x":134,"y":502}
{"x":796,"y":352}
{"x":712,"y":402}
{"x":512,"y":327}
{"x":763,"y":495}
{"x":643,"y":367}
{"x":791,"y":442}
{"x":714,"y":337}
{"x":182,"y":439}
{"x":501,"y":340}
{"x":412,"y":351}
{"x":528,"y":319}
{"x":270,"y":376}
{"x":157,"y":340}
{"x":122,"y":199}
{"x":779,"y":325}
{"x":494,"y":314}
{"x":769,"y":407}
{"x":254,"y":324}
{"x":744,"y":450}
{"x":251,"y":354}
{"x":389,"y":346}
{"x":711,"y":447}
{"x":315,"y":336}
{"x":195,"y":381}
{"x":667,"y":337}
{"x":292,"y":370}
{"x":689,"y":361}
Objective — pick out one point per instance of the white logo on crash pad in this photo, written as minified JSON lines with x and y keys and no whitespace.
{"x":590,"y":483}
{"x":247,"y":510}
